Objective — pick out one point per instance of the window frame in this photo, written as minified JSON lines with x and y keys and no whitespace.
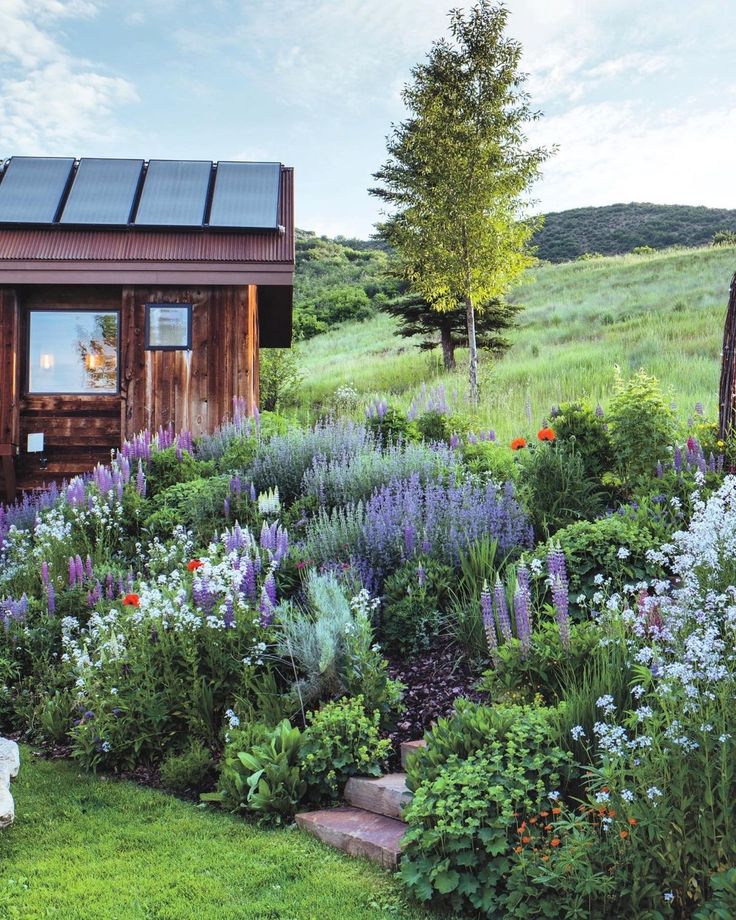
{"x":147,"y":327}
{"x":94,"y":394}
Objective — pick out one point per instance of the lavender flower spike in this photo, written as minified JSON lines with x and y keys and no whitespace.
{"x":502,"y":610}
{"x":489,"y":623}
{"x":522,"y":609}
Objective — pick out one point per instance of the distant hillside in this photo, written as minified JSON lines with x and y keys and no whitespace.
{"x":619,"y":228}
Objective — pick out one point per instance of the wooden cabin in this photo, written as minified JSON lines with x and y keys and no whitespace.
{"x":133,"y":294}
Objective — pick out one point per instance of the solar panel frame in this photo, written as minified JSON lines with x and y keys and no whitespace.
{"x":33,"y":188}
{"x":246,"y":196}
{"x":175,"y":194}
{"x":103,"y":192}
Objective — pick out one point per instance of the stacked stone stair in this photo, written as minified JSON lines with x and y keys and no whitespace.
{"x":369,"y":824}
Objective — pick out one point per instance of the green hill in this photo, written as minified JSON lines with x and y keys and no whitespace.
{"x":619,"y":228}
{"x":662,"y":311}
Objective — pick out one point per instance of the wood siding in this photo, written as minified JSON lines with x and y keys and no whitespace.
{"x":192,"y":390}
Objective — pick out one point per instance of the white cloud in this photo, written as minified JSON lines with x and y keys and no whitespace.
{"x":51,"y":102}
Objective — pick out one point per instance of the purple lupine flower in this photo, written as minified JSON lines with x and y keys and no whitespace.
{"x":522,"y":609}
{"x":44,"y":573}
{"x":88,"y":568}
{"x":51,"y":598}
{"x":140,"y":481}
{"x":677,"y":459}
{"x":72,"y":572}
{"x":282,"y":545}
{"x":557,"y":568}
{"x":79,"y":568}
{"x":454,"y":441}
{"x":202,"y":595}
{"x":109,"y":586}
{"x":699,"y":408}
{"x":410,"y":539}
{"x":660,"y":469}
{"x":249,"y":580}
{"x":599,"y":410}
{"x":489,"y":622}
{"x":228,"y":619}
{"x":269,"y":586}
{"x":253,"y":496}
{"x":265,"y":608}
{"x":502,"y":610}
{"x":226,"y":507}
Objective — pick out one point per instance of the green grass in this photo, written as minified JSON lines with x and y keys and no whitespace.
{"x":663,"y":312}
{"x":90,"y":848}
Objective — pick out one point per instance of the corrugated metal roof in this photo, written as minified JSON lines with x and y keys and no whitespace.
{"x":62,"y":244}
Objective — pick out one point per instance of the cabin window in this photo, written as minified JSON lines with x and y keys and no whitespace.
{"x":73,"y":351}
{"x":169,"y":326}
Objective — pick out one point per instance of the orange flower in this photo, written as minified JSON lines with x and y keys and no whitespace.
{"x":623,"y":835}
{"x":633,"y":822}
{"x":546,"y":434}
{"x":555,"y":842}
{"x":543,"y":814}
{"x":548,"y":827}
{"x":556,"y":811}
{"x":532,"y":820}
{"x":132,"y":600}
{"x":518,"y":443}
{"x":194,"y":564}
{"x":517,"y":849}
{"x":526,"y":839}
{"x":545,"y":858}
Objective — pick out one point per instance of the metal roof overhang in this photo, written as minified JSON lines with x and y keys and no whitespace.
{"x":32,"y":271}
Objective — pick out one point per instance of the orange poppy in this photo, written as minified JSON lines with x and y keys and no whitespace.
{"x":526,"y":839}
{"x":132,"y":600}
{"x":556,"y":811}
{"x":543,"y":814}
{"x":633,"y":822}
{"x":518,"y":443}
{"x":194,"y":565}
{"x":546,"y":434}
{"x":555,"y":842}
{"x":623,"y":835}
{"x":517,"y":849}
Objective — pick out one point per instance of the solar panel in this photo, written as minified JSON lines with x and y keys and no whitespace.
{"x":174,"y":193}
{"x":246,"y":195}
{"x":32,"y":189}
{"x":103,"y":192}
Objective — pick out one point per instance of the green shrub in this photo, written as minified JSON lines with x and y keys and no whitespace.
{"x":486,"y":458}
{"x":415,"y":597}
{"x":189,"y":771}
{"x":641,"y":425}
{"x":280,"y":378}
{"x":613,"y":547}
{"x":231,"y":781}
{"x":393,"y":426}
{"x":556,"y":488}
{"x":198,"y":506}
{"x":434,"y":425}
{"x":341,"y":740}
{"x":577,"y":426}
{"x":167,"y":468}
{"x":464,"y":817}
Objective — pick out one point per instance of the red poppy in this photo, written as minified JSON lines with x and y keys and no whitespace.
{"x":518,"y":443}
{"x":546,"y":434}
{"x":132,"y":600}
{"x":194,"y":564}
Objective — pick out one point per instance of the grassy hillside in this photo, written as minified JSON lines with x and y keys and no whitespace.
{"x":619,"y":228}
{"x":663,"y":312}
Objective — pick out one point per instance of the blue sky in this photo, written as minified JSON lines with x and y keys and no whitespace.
{"x":640,"y":95}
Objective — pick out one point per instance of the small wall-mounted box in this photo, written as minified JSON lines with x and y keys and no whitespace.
{"x":35,"y":443}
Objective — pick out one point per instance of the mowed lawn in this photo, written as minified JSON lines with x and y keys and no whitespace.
{"x":92,"y":848}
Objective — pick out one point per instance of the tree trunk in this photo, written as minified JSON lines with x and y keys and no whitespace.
{"x":473,"y":351}
{"x":727,"y":394}
{"x":448,"y":346}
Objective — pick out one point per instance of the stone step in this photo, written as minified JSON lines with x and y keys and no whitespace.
{"x":383,"y":795}
{"x":357,"y":832}
{"x":409,"y":747}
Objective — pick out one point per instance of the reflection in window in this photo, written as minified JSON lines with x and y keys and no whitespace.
{"x":169,"y":326}
{"x":73,"y":352}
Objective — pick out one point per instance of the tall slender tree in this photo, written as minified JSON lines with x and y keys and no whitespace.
{"x":459,"y":168}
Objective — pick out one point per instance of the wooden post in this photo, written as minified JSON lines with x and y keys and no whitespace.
{"x":727,"y":393}
{"x":7,"y":452}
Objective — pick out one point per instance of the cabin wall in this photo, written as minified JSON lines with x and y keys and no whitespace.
{"x":189,"y":389}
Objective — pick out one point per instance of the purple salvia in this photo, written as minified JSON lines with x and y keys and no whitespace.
{"x":502,"y":610}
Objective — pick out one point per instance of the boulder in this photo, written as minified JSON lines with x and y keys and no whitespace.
{"x":9,"y":766}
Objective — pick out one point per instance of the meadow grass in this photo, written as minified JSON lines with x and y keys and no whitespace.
{"x":663,"y":312}
{"x":91,"y":848}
